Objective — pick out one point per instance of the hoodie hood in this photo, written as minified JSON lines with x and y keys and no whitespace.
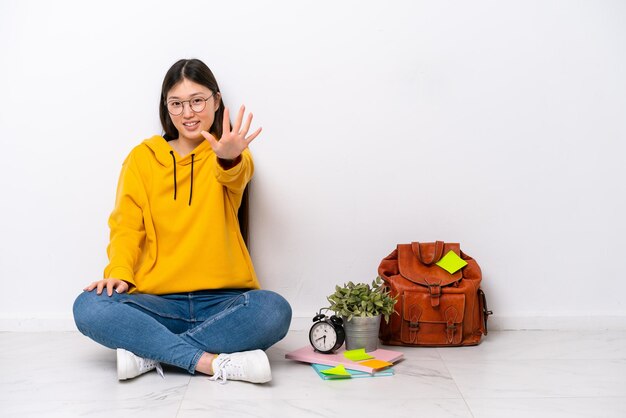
{"x":163,"y":152}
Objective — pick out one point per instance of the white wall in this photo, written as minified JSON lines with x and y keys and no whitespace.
{"x":501,"y":125}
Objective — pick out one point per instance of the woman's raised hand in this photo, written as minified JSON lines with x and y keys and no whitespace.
{"x":233,"y":142}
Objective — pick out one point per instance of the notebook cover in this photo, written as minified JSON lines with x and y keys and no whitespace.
{"x":308,"y":355}
{"x":353,"y":373}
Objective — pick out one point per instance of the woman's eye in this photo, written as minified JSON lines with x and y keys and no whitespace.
{"x":175,"y":104}
{"x":196,"y":101}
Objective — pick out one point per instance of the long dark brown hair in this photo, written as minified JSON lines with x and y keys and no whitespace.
{"x":198,"y":72}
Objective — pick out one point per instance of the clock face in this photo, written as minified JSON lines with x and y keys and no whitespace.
{"x":323,"y":337}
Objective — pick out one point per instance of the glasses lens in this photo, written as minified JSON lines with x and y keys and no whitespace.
{"x":197,"y":104}
{"x":175,"y":108}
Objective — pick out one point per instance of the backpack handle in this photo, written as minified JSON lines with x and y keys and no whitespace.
{"x":436,"y":254}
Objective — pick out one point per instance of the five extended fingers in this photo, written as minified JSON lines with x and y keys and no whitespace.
{"x":239,"y":127}
{"x":233,"y":141}
{"x":236,"y":136}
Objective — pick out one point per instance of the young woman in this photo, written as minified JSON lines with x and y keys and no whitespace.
{"x":180,"y":287}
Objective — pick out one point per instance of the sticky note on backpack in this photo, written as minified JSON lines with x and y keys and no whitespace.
{"x":451,"y":262}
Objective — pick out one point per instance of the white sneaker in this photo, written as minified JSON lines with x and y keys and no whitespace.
{"x":251,"y":366}
{"x":130,"y":365}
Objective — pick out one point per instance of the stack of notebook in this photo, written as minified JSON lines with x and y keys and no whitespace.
{"x":348,"y":364}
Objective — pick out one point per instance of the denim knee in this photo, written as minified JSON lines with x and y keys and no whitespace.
{"x":276,"y":312}
{"x":83,"y":310}
{"x":88,"y":308}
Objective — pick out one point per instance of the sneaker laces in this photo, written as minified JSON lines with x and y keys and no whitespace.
{"x":226,"y":369}
{"x":148,"y":364}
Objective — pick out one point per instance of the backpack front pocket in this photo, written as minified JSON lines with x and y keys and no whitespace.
{"x":424,"y":324}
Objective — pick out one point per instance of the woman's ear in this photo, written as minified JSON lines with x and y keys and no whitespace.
{"x":217,"y":101}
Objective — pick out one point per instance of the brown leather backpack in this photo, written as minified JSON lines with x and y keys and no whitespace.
{"x":434,"y":308}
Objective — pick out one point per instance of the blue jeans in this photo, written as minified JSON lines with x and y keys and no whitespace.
{"x":178,"y":328}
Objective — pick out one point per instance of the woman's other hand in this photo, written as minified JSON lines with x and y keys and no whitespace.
{"x":120,"y":286}
{"x":234,"y":141}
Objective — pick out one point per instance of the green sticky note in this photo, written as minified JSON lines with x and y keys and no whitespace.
{"x":451,"y":262}
{"x":356,"y":355}
{"x":337,"y":371}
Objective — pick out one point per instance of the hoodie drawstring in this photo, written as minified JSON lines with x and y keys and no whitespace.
{"x":191,"y":186}
{"x":174,"y":158}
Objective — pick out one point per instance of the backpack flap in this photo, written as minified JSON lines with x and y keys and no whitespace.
{"x":416,"y":263}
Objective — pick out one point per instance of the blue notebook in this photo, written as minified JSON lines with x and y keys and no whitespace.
{"x":353,"y":373}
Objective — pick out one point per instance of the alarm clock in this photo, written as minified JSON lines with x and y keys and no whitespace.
{"x":326,"y":334}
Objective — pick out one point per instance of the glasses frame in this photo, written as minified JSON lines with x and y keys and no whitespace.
{"x":189,"y":103}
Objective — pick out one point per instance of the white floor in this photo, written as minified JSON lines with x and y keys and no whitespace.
{"x":511,"y":374}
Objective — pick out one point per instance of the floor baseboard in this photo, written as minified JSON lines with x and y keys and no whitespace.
{"x":51,"y":323}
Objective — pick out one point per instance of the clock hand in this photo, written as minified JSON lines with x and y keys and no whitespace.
{"x":322,"y":337}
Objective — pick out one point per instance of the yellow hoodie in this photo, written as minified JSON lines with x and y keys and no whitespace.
{"x":173,"y":232}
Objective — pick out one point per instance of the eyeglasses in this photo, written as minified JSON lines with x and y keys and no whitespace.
{"x":177,"y":107}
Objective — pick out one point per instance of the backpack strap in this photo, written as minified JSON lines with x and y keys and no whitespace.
{"x":414,"y":322}
{"x":451,"y":315}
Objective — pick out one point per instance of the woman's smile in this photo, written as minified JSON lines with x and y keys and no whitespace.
{"x":191,"y":126}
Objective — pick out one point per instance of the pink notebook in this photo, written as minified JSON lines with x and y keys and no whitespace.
{"x":309,"y":355}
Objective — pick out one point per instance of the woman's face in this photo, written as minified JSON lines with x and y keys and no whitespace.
{"x":190,"y":123}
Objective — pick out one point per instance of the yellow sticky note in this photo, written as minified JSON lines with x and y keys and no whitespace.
{"x":451,"y":262}
{"x":356,"y":355}
{"x":376,"y":364}
{"x":339,"y":370}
